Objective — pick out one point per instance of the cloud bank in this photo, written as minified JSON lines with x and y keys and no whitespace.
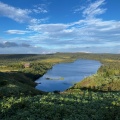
{"x":6,"y":44}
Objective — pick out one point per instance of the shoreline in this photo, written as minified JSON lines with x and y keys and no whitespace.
{"x":50,"y":78}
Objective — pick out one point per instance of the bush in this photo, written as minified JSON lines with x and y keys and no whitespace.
{"x":3,"y":82}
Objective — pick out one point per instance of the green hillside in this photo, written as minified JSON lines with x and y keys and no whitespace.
{"x":95,"y":98}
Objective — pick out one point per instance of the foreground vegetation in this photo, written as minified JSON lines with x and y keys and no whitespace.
{"x":95,"y":98}
{"x":84,"y":106}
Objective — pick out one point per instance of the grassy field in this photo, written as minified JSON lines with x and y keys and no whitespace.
{"x":95,"y":98}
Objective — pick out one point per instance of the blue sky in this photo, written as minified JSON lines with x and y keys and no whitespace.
{"x":47,"y":26}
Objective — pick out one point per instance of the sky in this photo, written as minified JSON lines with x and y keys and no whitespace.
{"x":49,"y":26}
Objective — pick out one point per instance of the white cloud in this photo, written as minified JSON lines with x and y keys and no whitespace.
{"x":21,"y":15}
{"x":17,"y":14}
{"x":48,"y":27}
{"x":17,"y":32}
{"x":91,"y":10}
{"x":93,"y":32}
{"x":94,"y":9}
{"x":40,"y":8}
{"x":81,"y":29}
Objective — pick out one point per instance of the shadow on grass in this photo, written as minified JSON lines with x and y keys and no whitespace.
{"x":17,"y":83}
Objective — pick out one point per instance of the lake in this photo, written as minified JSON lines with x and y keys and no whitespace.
{"x":64,"y":75}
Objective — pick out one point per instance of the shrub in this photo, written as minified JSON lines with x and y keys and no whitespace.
{"x":3,"y":82}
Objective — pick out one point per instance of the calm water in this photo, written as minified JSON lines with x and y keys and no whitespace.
{"x":64,"y":75}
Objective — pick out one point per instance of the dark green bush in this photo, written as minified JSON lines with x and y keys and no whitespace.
{"x":3,"y":82}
